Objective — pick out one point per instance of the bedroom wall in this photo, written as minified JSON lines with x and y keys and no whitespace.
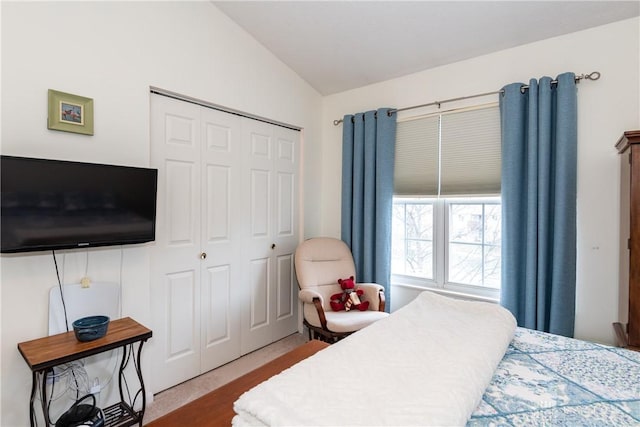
{"x":112,"y":52}
{"x":606,"y":108}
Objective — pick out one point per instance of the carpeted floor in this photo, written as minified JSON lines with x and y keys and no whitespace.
{"x":168,"y":400}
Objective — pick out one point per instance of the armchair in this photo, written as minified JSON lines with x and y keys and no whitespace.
{"x":319,"y":263}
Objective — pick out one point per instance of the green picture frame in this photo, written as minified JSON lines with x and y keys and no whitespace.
{"x":70,"y":113}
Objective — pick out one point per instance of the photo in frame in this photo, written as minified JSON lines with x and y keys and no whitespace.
{"x":70,"y":113}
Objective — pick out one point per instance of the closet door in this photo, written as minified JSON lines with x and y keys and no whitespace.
{"x":222,"y":264}
{"x":176,"y":264}
{"x":221,"y":275}
{"x":270,"y":186}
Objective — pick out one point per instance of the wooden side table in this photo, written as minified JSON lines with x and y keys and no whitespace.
{"x":43,"y":354}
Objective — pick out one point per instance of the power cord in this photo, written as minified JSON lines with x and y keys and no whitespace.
{"x":64,"y":306}
{"x":121,"y":273}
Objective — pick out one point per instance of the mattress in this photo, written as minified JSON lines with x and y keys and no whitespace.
{"x":428,"y":362}
{"x":550,"y":380}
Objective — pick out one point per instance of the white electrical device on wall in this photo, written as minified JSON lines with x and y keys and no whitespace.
{"x":82,"y":301}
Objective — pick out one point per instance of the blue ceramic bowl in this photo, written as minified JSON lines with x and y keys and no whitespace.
{"x":91,"y":328}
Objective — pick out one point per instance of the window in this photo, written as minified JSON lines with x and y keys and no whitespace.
{"x":446,"y":213}
{"x":413,"y":238}
{"x":473,"y":239}
{"x":451,"y":244}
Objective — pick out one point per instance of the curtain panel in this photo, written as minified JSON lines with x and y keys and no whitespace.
{"x":368,"y":151}
{"x":539,"y":181}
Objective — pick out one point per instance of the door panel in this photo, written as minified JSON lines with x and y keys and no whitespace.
{"x":258,"y":332}
{"x":284,"y":287}
{"x":218,"y":135}
{"x":181,"y":354}
{"x":259,"y":277}
{"x":175,"y":266}
{"x":218,"y":201}
{"x":260,"y":138}
{"x":180,"y":130}
{"x":259,"y":196}
{"x":218,"y":328}
{"x":180,"y":210}
{"x":286,"y":207}
{"x":183,"y":339}
{"x":222,"y":274}
{"x":286,"y":233}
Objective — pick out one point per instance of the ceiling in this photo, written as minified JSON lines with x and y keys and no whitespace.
{"x":340,"y":45}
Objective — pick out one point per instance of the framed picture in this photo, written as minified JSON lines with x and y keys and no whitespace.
{"x":70,"y":113}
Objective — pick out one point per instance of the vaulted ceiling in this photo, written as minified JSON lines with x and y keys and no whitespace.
{"x":340,"y":45}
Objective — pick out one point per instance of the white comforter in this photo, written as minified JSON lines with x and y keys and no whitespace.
{"x":426,"y":364}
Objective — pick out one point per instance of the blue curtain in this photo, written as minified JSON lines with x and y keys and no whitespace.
{"x":539,"y":144}
{"x":368,"y":153}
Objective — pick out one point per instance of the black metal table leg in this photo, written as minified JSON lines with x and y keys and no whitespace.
{"x":138,"y":367}
{"x":123,"y":365}
{"x":34,"y":387}
{"x":45,"y":408}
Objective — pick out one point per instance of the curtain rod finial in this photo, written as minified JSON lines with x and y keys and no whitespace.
{"x":594,"y":75}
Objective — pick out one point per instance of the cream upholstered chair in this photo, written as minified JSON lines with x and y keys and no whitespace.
{"x":319,"y":263}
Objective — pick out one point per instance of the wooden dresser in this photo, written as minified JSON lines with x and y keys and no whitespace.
{"x":628,"y":147}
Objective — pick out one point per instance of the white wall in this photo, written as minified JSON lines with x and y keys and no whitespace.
{"x":112,"y":52}
{"x":606,"y":108}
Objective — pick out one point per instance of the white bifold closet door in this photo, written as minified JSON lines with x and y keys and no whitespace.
{"x":223,"y":282}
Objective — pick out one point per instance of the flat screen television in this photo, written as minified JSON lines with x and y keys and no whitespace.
{"x":53,"y":204}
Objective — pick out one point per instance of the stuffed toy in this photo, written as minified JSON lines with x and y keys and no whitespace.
{"x":349,"y":298}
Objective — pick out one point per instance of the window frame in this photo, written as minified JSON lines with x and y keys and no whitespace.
{"x":441,"y":223}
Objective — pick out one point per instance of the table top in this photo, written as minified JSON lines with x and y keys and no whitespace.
{"x":47,"y":352}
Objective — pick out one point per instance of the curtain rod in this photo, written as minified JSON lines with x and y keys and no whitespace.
{"x":595,"y":75}
{"x":206,"y":104}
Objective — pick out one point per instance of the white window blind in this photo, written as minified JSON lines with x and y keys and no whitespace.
{"x":449,"y":154}
{"x":470,"y":152}
{"x":417,"y":157}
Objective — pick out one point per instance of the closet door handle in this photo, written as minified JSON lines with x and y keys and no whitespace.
{"x":203,"y":255}
{"x":273,"y":246}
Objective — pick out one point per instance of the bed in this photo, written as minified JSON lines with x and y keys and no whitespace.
{"x":550,"y":380}
{"x":439,"y":361}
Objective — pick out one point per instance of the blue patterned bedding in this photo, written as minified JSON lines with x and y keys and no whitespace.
{"x":549,"y":380}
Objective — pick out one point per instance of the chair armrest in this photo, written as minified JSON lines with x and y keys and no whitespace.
{"x":311,"y":297}
{"x":373,"y":293}
{"x":307,"y":296}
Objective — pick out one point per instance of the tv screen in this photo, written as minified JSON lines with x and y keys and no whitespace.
{"x":53,"y":204}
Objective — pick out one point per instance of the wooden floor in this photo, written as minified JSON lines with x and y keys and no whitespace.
{"x":216,"y":407}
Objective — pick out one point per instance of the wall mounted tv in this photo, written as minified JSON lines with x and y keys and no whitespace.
{"x":53,"y":204}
